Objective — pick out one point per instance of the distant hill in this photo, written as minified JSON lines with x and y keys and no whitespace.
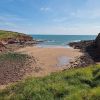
{"x":8,"y":35}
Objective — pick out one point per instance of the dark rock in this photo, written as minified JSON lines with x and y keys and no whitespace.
{"x":90,"y":53}
{"x":82,"y":61}
{"x":97,"y":41}
{"x":11,"y":41}
{"x":82,"y":45}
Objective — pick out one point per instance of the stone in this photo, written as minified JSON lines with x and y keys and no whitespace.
{"x":97,"y":41}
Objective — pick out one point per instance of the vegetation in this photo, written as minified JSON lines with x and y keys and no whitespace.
{"x":75,"y":84}
{"x":12,"y":67}
{"x":5,"y":35}
{"x":12,"y":57}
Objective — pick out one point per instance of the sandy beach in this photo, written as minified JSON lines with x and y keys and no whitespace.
{"x":51,"y":59}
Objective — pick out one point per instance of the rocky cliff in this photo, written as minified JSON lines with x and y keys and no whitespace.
{"x":97,"y":41}
{"x":11,"y":37}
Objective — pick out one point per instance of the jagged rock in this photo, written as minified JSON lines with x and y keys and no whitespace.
{"x":23,"y":38}
{"x":89,"y":50}
{"x":82,"y":61}
{"x":82,"y":45}
{"x":97,"y":41}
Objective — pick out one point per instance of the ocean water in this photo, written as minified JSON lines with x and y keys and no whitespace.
{"x":60,"y":40}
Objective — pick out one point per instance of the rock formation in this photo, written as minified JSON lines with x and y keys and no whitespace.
{"x":97,"y":41}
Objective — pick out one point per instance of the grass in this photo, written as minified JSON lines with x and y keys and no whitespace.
{"x":7,"y":34}
{"x":12,"y":57}
{"x":75,"y":84}
{"x":12,"y":67}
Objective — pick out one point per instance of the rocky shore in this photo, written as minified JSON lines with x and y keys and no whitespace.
{"x":91,"y":51}
{"x":11,"y":41}
{"x":19,"y":58}
{"x":82,"y":45}
{"x":14,"y":66}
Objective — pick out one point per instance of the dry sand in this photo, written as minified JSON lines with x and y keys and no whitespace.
{"x":47,"y":59}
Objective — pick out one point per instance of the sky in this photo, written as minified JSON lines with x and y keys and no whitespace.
{"x":51,"y":16}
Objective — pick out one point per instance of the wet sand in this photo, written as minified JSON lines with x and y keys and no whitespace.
{"x":49,"y":59}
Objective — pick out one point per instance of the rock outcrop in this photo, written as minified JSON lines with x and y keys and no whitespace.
{"x":82,"y":45}
{"x":9,"y":37}
{"x":91,"y":50}
{"x":82,"y":61}
{"x":97,"y":41}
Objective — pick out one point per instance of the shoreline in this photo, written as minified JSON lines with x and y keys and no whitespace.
{"x":53,"y":58}
{"x":40,"y":59}
{"x":52,"y":46}
{"x":49,"y":59}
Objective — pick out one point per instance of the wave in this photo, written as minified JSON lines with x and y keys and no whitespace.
{"x":75,"y":41}
{"x":52,"y":46}
{"x":51,"y":41}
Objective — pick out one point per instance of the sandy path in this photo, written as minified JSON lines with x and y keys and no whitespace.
{"x":47,"y":58}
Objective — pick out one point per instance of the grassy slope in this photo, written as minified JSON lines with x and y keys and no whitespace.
{"x":11,"y":65}
{"x":7,"y":34}
{"x":12,"y":57}
{"x":76,"y":84}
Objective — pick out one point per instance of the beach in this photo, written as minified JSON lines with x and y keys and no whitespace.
{"x":24,"y":56}
{"x":49,"y":50}
{"x":48,"y":60}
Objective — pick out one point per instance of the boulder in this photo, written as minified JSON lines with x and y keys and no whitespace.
{"x":11,"y":41}
{"x":97,"y":41}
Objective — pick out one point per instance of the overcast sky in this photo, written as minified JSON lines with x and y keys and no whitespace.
{"x":50,"y":16}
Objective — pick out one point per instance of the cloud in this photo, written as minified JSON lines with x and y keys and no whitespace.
{"x":66,"y":30}
{"x":7,"y":24}
{"x":85,"y":29}
{"x":14,"y":0}
{"x":45,"y":9}
{"x":86,"y":14}
{"x":90,"y":10}
{"x":9,"y":18}
{"x":62,"y":19}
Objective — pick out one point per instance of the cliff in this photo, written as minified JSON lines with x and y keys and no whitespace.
{"x":13,"y":37}
{"x":97,"y":41}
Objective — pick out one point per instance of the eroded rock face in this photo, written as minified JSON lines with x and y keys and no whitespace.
{"x":24,"y":38}
{"x":97,"y":41}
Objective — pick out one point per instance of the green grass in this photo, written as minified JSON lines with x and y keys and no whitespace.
{"x":76,"y":84}
{"x":4,"y":35}
{"x":7,"y":34}
{"x":12,"y":57}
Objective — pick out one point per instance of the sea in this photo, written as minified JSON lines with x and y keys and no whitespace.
{"x":60,"y":40}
